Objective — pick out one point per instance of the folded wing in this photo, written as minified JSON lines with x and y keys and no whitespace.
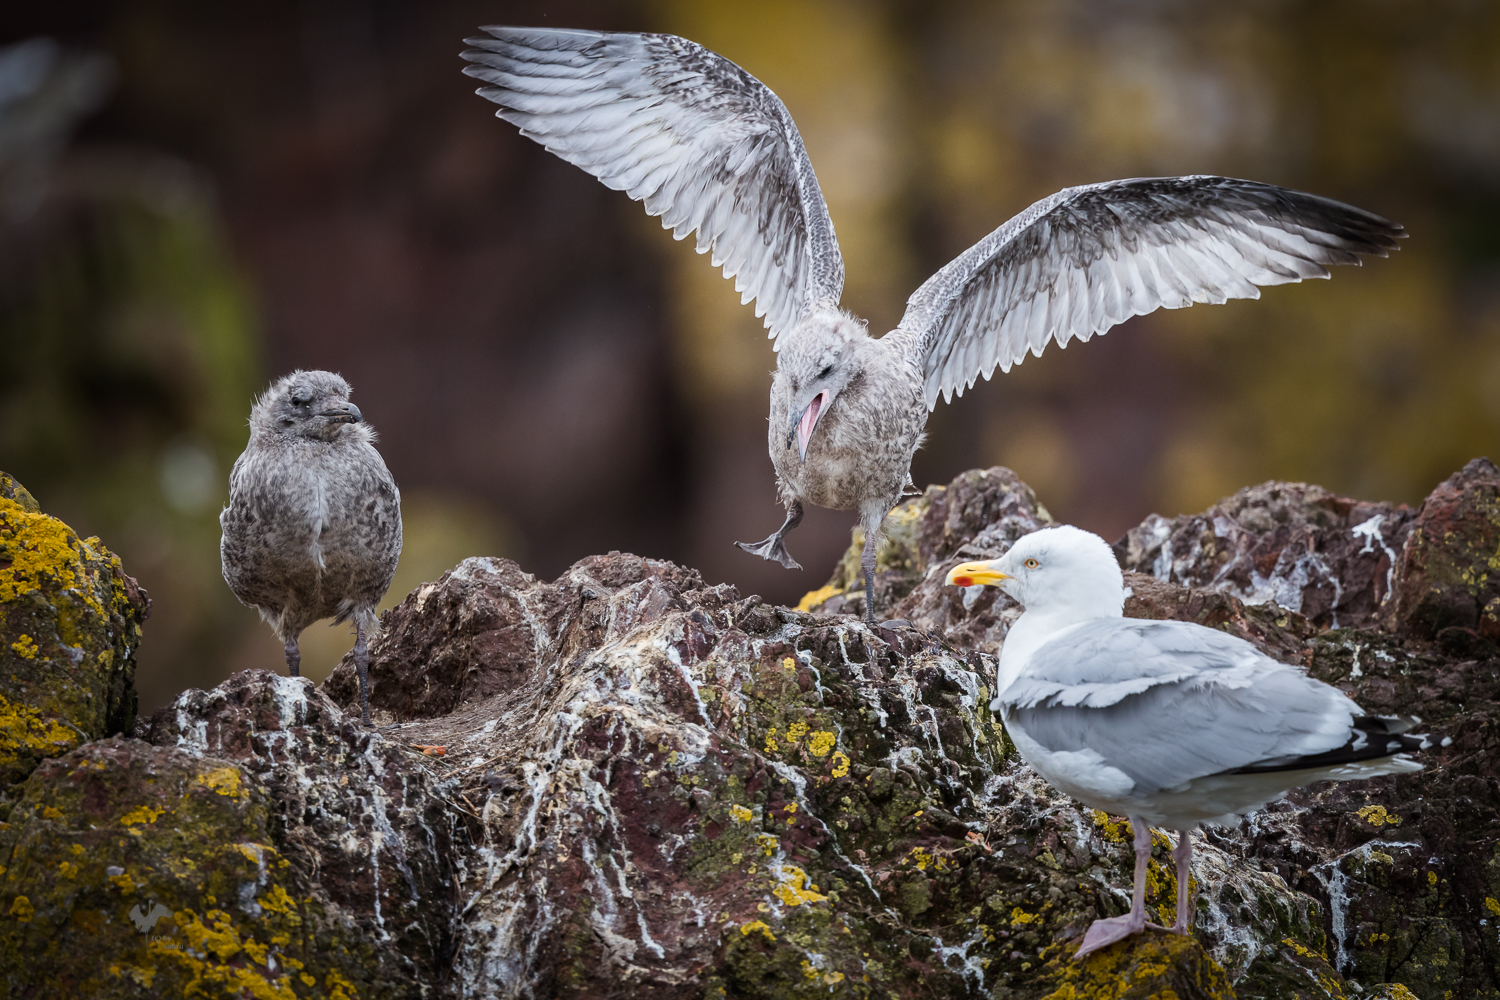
{"x":1087,"y":258}
{"x":1167,"y":702}
{"x":699,"y":141}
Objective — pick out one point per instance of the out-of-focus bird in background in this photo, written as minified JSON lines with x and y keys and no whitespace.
{"x":313,"y":525}
{"x":713,"y":151}
{"x":1169,"y":723}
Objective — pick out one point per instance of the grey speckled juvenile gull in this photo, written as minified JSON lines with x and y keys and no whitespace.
{"x":1169,"y":723}
{"x":313,"y":526}
{"x":713,"y":151}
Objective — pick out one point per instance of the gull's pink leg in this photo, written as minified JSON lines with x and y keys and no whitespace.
{"x":1183,"y":855}
{"x":1103,"y":933}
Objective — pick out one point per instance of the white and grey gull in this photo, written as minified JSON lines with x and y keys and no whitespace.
{"x":1169,"y":723}
{"x":712,"y":151}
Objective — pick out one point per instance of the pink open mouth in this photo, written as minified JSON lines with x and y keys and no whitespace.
{"x":809,"y":422}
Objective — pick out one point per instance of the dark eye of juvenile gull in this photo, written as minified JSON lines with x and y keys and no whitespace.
{"x":1169,"y":723}
{"x":713,"y":152}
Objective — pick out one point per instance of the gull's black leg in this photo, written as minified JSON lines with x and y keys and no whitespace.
{"x":293,"y":658}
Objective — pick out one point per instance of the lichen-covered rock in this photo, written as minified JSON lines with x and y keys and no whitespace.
{"x":626,"y":782}
{"x":133,"y":870}
{"x":1448,"y":577}
{"x":1327,"y":557}
{"x":1162,"y":964}
{"x":373,"y":838}
{"x":70,"y":620}
{"x":687,"y":794}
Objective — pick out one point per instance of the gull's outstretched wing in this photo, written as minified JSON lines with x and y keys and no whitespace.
{"x":699,"y":141}
{"x":1167,"y":702}
{"x":1087,"y":258}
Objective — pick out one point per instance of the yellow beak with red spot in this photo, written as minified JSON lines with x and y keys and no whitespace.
{"x":971,"y":574}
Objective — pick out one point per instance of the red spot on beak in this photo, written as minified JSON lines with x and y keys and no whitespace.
{"x":963,"y":581}
{"x":808,"y":422}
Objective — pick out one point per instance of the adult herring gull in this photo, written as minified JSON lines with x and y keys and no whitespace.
{"x":714,"y":152}
{"x":1169,"y":723}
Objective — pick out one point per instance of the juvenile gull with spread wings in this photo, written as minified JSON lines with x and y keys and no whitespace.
{"x":713,"y":151}
{"x":1169,"y":723}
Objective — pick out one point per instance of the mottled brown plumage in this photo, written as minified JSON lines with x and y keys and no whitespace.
{"x":713,"y":152}
{"x":313,"y":525}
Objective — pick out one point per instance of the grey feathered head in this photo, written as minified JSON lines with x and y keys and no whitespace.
{"x":814,"y":367}
{"x":308,"y":405}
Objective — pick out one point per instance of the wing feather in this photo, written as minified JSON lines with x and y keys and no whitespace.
{"x":700,"y":142}
{"x":1166,"y":702}
{"x":1077,"y":263}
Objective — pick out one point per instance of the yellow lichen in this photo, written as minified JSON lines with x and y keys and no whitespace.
{"x":741,"y":814}
{"x":1493,"y":905}
{"x":796,"y":731}
{"x":821,"y":742}
{"x":22,"y":909}
{"x":757,"y":925}
{"x":338,"y":987}
{"x":224,"y":780}
{"x":768,"y":843}
{"x":1432,"y":879}
{"x":794,"y":889}
{"x":24,"y":730}
{"x":140,"y":816}
{"x":123,"y":882}
{"x":771,"y":746}
{"x":840,"y":764}
{"x":1377,"y":816}
{"x":813,"y":598}
{"x":1020,"y":918}
{"x":790,"y":807}
{"x":24,"y":647}
{"x":67,"y":869}
{"x":788,"y":663}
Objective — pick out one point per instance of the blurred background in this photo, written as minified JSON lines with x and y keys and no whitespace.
{"x":196,"y":198}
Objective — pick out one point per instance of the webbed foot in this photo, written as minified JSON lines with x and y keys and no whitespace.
{"x":772,"y":549}
{"x":1103,"y":933}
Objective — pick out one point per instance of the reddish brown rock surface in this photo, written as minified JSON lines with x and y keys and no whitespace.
{"x":627,"y":782}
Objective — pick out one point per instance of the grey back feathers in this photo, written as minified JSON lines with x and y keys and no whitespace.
{"x":313,"y":525}
{"x":699,"y":141}
{"x":1167,"y":702}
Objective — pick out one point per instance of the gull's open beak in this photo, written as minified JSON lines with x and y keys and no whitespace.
{"x":346,"y":414}
{"x":809,"y":422}
{"x":970,"y":574}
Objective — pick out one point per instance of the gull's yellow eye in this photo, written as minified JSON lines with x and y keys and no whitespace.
{"x":1032,"y":564}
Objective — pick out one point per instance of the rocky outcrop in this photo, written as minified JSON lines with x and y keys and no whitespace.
{"x":70,"y":620}
{"x":628,"y":782}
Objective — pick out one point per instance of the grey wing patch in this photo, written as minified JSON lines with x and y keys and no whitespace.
{"x":1087,"y":258}
{"x":692,"y":136}
{"x":1167,"y":702}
